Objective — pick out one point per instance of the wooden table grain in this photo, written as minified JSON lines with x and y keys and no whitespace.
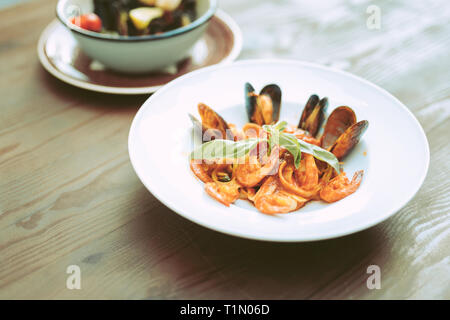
{"x":69,"y":196}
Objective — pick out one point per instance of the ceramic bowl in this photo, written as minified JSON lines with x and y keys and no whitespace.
{"x":136,"y":54}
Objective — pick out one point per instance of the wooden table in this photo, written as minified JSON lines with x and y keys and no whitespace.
{"x":69,"y":196}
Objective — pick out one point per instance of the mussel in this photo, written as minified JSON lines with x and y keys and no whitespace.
{"x":341,"y":132}
{"x":212,"y":125}
{"x":313,"y":114}
{"x":338,"y":121}
{"x":263,"y":108}
{"x":345,"y":143}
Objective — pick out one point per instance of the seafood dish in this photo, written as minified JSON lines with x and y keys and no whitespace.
{"x":277,"y":166}
{"x":137,"y":17}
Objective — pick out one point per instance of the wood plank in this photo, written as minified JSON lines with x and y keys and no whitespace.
{"x":68,"y":193}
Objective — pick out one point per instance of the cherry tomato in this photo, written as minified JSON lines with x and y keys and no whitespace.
{"x":88,"y":21}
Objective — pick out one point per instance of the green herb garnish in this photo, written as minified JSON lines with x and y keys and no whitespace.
{"x":228,"y":149}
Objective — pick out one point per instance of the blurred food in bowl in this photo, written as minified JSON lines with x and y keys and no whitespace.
{"x":137,"y":17}
{"x":136,"y":36}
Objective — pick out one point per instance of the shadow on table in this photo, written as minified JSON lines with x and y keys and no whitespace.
{"x":212,"y":265}
{"x":86,"y":98}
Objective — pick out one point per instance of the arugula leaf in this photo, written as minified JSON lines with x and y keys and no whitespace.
{"x":224,"y":149}
{"x":320,"y":153}
{"x":296,"y":146}
{"x":274,"y":131}
{"x":280,"y":126}
{"x":228,"y":149}
{"x":291,"y":143}
{"x":277,"y":127}
{"x":274,"y":137}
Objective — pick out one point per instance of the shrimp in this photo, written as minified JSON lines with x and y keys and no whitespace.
{"x":224,"y":192}
{"x":236,"y":133}
{"x":340,"y":187}
{"x":271,"y":198}
{"x":201,"y":170}
{"x":248,"y":194}
{"x":205,"y":170}
{"x":252,"y":130}
{"x":303,"y":181}
{"x":250,"y":173}
{"x":307,"y":174}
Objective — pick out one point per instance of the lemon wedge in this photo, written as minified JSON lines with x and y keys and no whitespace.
{"x":148,"y":2}
{"x":142,"y":16}
{"x":168,"y":5}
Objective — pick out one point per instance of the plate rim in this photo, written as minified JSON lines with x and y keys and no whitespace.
{"x":139,"y":115}
{"x":220,"y":14}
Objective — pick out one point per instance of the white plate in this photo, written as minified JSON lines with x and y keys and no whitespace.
{"x":393,"y":152}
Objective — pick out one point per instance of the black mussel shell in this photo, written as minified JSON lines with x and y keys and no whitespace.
{"x":337,"y":123}
{"x":250,"y":100}
{"x":313,"y":114}
{"x":348,"y":140}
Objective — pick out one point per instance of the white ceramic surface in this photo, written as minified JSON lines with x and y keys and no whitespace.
{"x":393,"y":152}
{"x":136,"y":54}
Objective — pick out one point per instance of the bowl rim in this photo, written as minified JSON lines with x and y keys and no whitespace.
{"x":213,"y":5}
